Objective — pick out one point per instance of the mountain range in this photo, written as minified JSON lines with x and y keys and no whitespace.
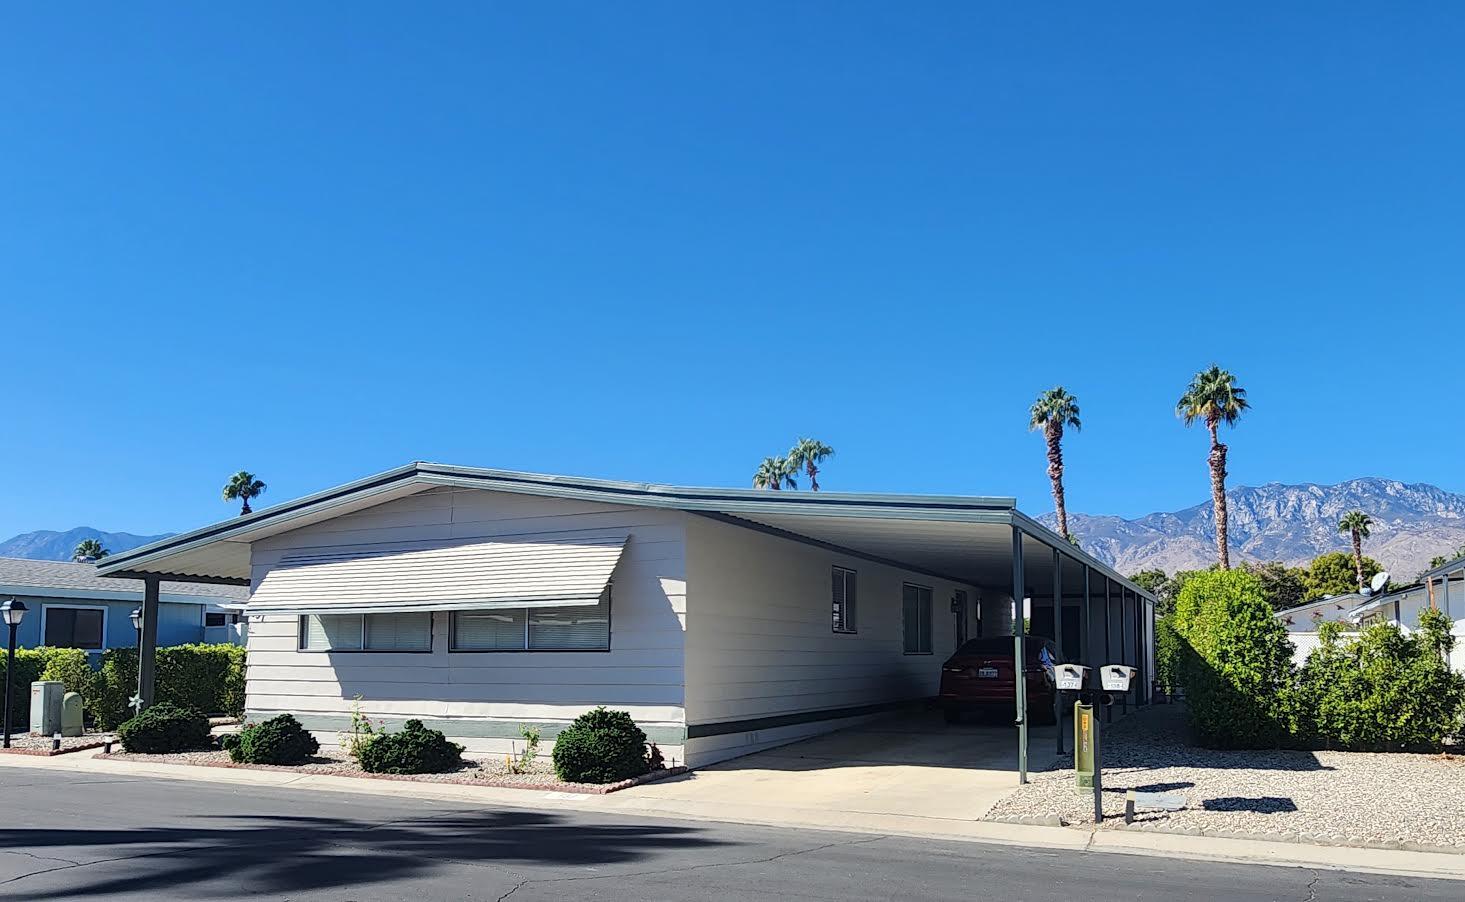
{"x":1413,"y":522}
{"x":50,"y":545}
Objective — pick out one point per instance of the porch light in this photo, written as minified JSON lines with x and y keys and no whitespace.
{"x":136,"y":618}
{"x":13,"y":611}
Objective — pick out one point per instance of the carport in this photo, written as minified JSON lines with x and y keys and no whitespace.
{"x":1093,"y":614}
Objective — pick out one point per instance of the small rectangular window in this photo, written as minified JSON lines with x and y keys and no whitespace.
{"x":844,"y":610}
{"x":916,"y":619}
{"x":73,"y":627}
{"x":213,"y":618}
{"x":369,"y":632}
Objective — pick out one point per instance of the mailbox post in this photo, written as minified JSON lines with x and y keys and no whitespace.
{"x":1088,"y":765}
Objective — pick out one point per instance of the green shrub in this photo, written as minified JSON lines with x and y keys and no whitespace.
{"x":414,"y":750}
{"x":279,"y":740}
{"x":1381,"y":691}
{"x":163,"y":728}
{"x":1167,"y":653}
{"x":209,"y":678}
{"x":600,"y":746}
{"x":29,"y":664}
{"x":1234,"y":660}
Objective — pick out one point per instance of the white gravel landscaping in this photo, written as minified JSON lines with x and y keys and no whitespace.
{"x":1330,"y":797}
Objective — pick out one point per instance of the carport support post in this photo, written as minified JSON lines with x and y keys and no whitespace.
{"x":1018,"y":637}
{"x":147,"y":644}
{"x":1058,"y":640}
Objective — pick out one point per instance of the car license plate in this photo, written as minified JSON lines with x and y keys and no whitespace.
{"x":987,"y":673}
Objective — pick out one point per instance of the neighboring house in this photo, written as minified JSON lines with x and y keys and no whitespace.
{"x":724,"y":620}
{"x":70,"y":606}
{"x":1442,"y":588}
{"x":1302,"y":622}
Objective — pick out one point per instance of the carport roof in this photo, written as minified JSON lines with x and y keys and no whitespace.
{"x":966,"y":537}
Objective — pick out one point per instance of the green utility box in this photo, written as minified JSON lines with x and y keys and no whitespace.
{"x":1085,"y":745}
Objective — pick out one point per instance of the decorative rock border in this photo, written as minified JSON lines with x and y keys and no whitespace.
{"x":549,"y":785}
{"x":1311,"y":839}
{"x":50,"y":752}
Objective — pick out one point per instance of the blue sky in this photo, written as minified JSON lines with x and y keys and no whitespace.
{"x":660,"y":241}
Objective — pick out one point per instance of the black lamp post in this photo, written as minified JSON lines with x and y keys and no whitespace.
{"x":13,"y":611}
{"x":136,"y":618}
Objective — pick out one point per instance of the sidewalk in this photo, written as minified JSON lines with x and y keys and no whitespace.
{"x":647,"y":800}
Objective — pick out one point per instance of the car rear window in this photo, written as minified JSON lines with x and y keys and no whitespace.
{"x":996,"y":645}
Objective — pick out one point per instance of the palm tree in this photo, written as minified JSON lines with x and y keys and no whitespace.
{"x":242,"y":486}
{"x":775,"y":473}
{"x":808,"y":454}
{"x":1356,"y":524}
{"x":1214,"y":398}
{"x":1055,"y":409}
{"x":89,"y":550}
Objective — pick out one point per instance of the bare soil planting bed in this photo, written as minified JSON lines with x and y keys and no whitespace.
{"x":490,"y":773}
{"x":1344,"y":798}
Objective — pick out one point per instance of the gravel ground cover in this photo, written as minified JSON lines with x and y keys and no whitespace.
{"x":487,"y":773}
{"x":1339,"y":797}
{"x":26,"y":744}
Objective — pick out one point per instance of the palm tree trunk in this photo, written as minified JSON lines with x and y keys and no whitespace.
{"x":813,"y":476}
{"x":245,"y":510}
{"x":1358,"y":557}
{"x":1218,"y":494}
{"x":1054,"y":435}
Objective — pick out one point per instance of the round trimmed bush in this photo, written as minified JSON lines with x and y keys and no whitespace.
{"x":414,"y":750}
{"x":600,"y":746}
{"x":164,"y":728}
{"x":279,"y":740}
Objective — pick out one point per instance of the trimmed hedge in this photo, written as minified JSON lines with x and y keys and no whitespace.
{"x":600,"y":746}
{"x":1235,"y":661}
{"x":413,"y":750}
{"x":208,"y":678}
{"x":163,"y":728}
{"x":279,"y":740}
{"x":70,"y":666}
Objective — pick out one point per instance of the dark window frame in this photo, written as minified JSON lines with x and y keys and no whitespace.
{"x":844,"y":614}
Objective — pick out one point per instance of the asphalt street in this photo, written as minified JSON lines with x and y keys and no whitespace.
{"x":71,"y":836}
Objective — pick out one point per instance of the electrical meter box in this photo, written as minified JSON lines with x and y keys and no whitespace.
{"x":46,"y":698}
{"x":1116,"y":677}
{"x":1070,"y":676}
{"x":71,"y":714}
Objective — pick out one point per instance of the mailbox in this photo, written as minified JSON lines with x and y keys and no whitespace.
{"x":1071,"y":676}
{"x":1116,"y":677}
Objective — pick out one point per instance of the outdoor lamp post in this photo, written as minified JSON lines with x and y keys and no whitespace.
{"x":13,"y":611}
{"x":136,"y":618}
{"x":136,"y":700}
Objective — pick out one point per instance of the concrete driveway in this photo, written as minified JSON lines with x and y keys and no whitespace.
{"x":912,"y":765}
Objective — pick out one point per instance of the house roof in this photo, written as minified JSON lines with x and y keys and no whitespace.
{"x":20,"y":576}
{"x":968,"y":538}
{"x":1342,"y":601}
{"x":1448,"y":568}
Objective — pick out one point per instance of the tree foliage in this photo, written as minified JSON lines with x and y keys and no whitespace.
{"x":1213,"y":398}
{"x":243,"y":486}
{"x":1335,"y":573}
{"x":88,"y":551}
{"x":1440,"y":560}
{"x":1235,"y":661}
{"x":1054,"y":411}
{"x":807,"y":454}
{"x":1283,"y":586}
{"x":775,"y":473}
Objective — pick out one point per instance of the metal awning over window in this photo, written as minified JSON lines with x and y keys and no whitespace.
{"x":538,"y":573}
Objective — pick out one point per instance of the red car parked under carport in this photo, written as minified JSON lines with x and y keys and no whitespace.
{"x":979,"y":677}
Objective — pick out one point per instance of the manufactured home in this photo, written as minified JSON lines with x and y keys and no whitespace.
{"x":724,"y":620}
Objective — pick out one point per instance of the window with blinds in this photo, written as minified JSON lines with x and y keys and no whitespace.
{"x":580,"y":628}
{"x":367,"y":632}
{"x":916,"y":619}
{"x":843,"y":617}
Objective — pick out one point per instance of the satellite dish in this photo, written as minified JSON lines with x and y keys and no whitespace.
{"x":1379,"y":580}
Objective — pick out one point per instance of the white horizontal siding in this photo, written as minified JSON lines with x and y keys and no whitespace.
{"x":760,"y":642}
{"x":641,"y":673}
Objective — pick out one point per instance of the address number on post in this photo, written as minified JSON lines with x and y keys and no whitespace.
{"x":1070,"y":676}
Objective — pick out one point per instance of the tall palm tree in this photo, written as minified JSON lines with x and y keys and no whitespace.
{"x":1356,"y":524}
{"x":89,"y":550}
{"x":775,"y":473}
{"x":242,"y":486}
{"x":1054,"y":410}
{"x":1214,"y":398}
{"x":808,"y":454}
